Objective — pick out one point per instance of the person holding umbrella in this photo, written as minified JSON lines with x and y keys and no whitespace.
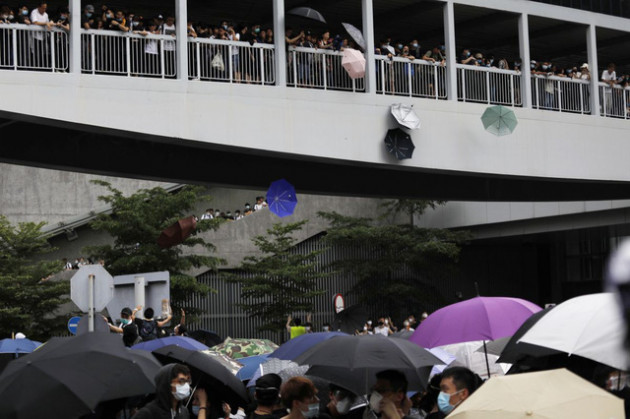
{"x":299,"y":395}
{"x":172,"y":386}
{"x":457,"y":384}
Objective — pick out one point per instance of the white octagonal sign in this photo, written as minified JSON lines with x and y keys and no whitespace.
{"x":80,"y":287}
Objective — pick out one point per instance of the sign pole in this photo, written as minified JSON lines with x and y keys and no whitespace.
{"x":91,"y":303}
{"x":139,"y":286}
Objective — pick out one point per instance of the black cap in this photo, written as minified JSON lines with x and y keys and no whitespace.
{"x":270,"y":380}
{"x":126,"y":311}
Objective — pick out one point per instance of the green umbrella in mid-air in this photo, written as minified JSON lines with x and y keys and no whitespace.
{"x":499,"y":120}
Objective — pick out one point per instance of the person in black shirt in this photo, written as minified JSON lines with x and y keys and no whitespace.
{"x":267,"y":397}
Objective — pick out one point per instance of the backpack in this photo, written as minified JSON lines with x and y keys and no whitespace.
{"x":148,"y":330}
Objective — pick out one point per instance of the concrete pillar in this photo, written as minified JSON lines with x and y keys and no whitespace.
{"x":75,"y":36}
{"x":279,"y":43}
{"x":526,"y":74}
{"x":181,"y":48}
{"x":451,"y":54}
{"x":368,"y":35}
{"x":591,"y":50}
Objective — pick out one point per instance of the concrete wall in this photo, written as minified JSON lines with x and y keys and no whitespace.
{"x":35,"y":194}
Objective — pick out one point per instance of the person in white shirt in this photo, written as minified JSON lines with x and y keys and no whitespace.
{"x":39,"y":49}
{"x":609,"y":76}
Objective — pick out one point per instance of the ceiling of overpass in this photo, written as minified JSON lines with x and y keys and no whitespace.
{"x":81,"y":148}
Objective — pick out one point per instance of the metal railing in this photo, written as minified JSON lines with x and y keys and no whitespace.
{"x":413,"y":78}
{"x":561,"y":94}
{"x":28,"y":47}
{"x":130,"y":54}
{"x":24,"y":47}
{"x":231,"y":61}
{"x":319,"y":69}
{"x":614,"y":101}
{"x":488,"y":85}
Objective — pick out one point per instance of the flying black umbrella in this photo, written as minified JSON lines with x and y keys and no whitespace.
{"x":399,"y":143}
{"x":69,"y":377}
{"x":353,"y":361}
{"x":207,"y":373}
{"x":308,"y":13}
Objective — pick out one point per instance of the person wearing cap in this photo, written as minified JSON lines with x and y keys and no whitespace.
{"x":87,"y":18}
{"x":267,"y":397}
{"x":127,"y":326}
{"x":584,"y":73}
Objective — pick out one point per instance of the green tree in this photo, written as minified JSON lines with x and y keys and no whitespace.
{"x":396,"y":265}
{"x":28,"y":298}
{"x":281,"y":281}
{"x":136,"y":222}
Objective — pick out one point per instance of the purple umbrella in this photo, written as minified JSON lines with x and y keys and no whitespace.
{"x":479,"y":318}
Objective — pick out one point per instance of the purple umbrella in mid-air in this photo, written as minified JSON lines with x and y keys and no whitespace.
{"x":479,"y":318}
{"x":281,"y":198}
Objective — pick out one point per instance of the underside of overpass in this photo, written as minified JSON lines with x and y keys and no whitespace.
{"x":61,"y":145}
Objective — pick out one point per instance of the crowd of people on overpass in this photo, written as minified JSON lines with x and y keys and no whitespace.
{"x":212,"y":213}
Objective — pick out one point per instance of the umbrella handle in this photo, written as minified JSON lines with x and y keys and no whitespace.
{"x":191,"y":395}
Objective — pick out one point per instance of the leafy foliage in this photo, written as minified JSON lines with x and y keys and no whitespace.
{"x":136,"y":222}
{"x":28,"y":298}
{"x":396,"y":265}
{"x":281,"y":281}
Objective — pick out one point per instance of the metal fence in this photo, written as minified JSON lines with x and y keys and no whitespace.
{"x":24,"y":47}
{"x":614,"y":101}
{"x":319,"y":69}
{"x":561,"y":94}
{"x":413,"y":78}
{"x":488,"y":85}
{"x":231,"y":61}
{"x":27,"y":47}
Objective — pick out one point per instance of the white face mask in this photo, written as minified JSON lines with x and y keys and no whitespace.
{"x":343,"y":405}
{"x":181,"y":391}
{"x":375,"y":401}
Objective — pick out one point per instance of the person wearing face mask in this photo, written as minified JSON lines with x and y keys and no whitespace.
{"x":457,"y":384}
{"x":467,"y":58}
{"x":388,"y":398}
{"x":127,"y":327}
{"x":341,"y":404}
{"x":172,"y":388}
{"x":299,"y":395}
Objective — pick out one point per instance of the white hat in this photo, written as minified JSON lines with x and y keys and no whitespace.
{"x":584,"y":66}
{"x":20,"y":335}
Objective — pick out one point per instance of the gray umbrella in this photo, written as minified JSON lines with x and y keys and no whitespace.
{"x":356,"y":34}
{"x":308,"y":13}
{"x":352,"y":361}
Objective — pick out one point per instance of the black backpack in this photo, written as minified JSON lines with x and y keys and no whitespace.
{"x":148,"y":330}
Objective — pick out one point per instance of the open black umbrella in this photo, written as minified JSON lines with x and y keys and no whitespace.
{"x":69,"y":377}
{"x":398,"y":143}
{"x":207,"y":337}
{"x":515,"y":351}
{"x":353,"y":361}
{"x":208,"y":373}
{"x":308,"y":13}
{"x":351,"y":319}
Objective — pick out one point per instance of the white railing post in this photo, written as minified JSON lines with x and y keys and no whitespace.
{"x":512,"y":92}
{"x":93,"y":52}
{"x":162,"y":60}
{"x":451,"y":56}
{"x":526,"y":79}
{"x":198,"y":59}
{"x":559,"y":96}
{"x":181,"y":40}
{"x":489,"y":99}
{"x":262,"y":64}
{"x":324,"y":78}
{"x":128,"y":54}
{"x":367,"y":14}
{"x":280,"y":44}
{"x":14,"y":44}
{"x":591,"y":50}
{"x":74,"y":43}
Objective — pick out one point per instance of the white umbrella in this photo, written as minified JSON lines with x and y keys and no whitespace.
{"x":405,"y":116}
{"x":353,"y":62}
{"x":590,"y":326}
{"x":466,"y":355}
{"x":356,"y":34}
{"x":558,"y":394}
